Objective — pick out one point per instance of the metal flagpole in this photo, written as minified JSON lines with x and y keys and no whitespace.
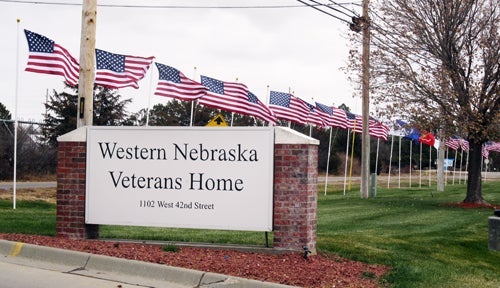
{"x":346,"y":159}
{"x":376,"y":166}
{"x":481,"y":169}
{"x":411,"y":163}
{"x":352,"y":156}
{"x":455,"y":166}
{"x":399,"y":164}
{"x":150,"y":95}
{"x":328,"y":159}
{"x":446,"y":169}
{"x":466,"y":167}
{"x":461,"y":158}
{"x":486,"y":161}
{"x":14,"y":183}
{"x":390,"y":163}
{"x":290,"y":92}
{"x":430,"y":164}
{"x":311,"y":125}
{"x":232,"y":113}
{"x":267,"y":103}
{"x":420,"y":177}
{"x":192,"y":103}
{"x":376,"y":157}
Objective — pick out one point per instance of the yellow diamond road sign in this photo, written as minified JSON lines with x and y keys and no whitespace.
{"x":217,"y":121}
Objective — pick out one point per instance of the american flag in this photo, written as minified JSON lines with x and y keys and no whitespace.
{"x":493,"y":146}
{"x":378,"y":129}
{"x":314,"y":118}
{"x":288,"y":107}
{"x":453,"y":142}
{"x":172,"y":83}
{"x":47,"y":57}
{"x":464,"y":144}
{"x":490,"y":146}
{"x":234,"y":97}
{"x":118,"y":71}
{"x":485,"y":152}
{"x":333,"y":117}
{"x":260,"y":109}
{"x":354,"y":122}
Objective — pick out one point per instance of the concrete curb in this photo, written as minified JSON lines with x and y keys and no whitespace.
{"x":117,"y":269}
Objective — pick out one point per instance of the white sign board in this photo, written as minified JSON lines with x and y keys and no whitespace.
{"x":185,"y":177}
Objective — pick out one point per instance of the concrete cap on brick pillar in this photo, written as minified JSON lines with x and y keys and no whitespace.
{"x":284,"y":135}
{"x":77,"y":135}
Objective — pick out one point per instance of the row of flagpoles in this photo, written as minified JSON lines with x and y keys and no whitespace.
{"x":116,"y":71}
{"x":452,"y":143}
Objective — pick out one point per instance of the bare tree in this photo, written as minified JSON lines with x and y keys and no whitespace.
{"x":437,"y":63}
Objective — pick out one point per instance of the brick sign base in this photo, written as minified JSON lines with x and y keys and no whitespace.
{"x":295,"y":189}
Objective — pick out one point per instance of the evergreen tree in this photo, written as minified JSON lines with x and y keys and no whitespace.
{"x":109,"y":110}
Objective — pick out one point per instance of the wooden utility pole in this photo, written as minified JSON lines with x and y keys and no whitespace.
{"x":87,"y":63}
{"x":365,"y":86}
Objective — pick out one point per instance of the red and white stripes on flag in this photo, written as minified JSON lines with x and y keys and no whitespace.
{"x":48,"y":57}
{"x":234,"y":97}
{"x":490,"y":146}
{"x":118,"y":71}
{"x":464,"y":144}
{"x":333,"y":117}
{"x":378,"y":129}
{"x":453,"y":143}
{"x":314,"y":117}
{"x":354,"y":122}
{"x":172,"y":83}
{"x":285,"y":106}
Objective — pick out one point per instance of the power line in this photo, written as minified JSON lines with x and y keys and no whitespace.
{"x":341,"y":5}
{"x":315,"y":6}
{"x":159,"y":6}
{"x":329,"y":6}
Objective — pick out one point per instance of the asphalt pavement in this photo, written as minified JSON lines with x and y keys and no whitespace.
{"x":24,"y":185}
{"x":30,"y":266}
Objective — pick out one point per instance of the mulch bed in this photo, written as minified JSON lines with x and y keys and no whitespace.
{"x":318,"y":271}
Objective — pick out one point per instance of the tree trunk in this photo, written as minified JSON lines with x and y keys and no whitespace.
{"x":440,"y":167}
{"x":474,"y":194}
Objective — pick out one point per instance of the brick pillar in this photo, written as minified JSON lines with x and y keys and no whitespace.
{"x":70,"y":198}
{"x":295,"y":193}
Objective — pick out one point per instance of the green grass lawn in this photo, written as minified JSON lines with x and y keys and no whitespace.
{"x":29,"y":217}
{"x":427,"y":243}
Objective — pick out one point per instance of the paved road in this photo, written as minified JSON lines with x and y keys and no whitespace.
{"x":21,"y":185}
{"x":321,"y":179}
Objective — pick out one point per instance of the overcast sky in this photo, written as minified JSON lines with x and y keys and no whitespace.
{"x":298,"y":48}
